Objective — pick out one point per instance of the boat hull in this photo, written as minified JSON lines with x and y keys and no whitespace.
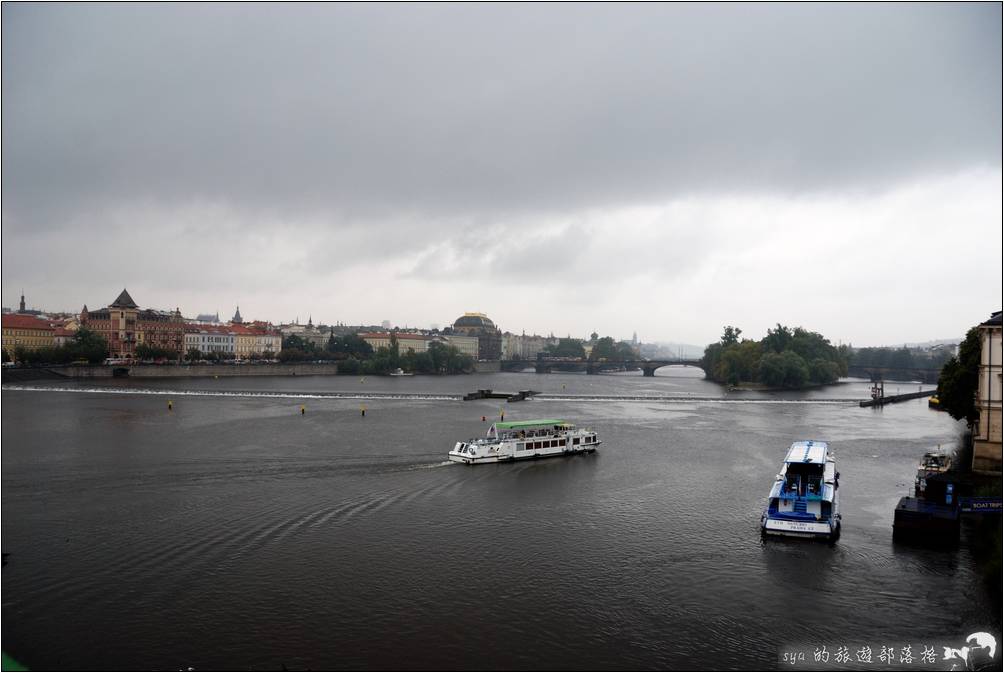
{"x":807,"y":529}
{"x":512,"y":457}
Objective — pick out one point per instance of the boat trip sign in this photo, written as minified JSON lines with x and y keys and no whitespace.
{"x":981,"y":505}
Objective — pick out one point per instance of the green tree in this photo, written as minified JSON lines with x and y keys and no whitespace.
{"x":350,"y":345}
{"x":730,"y":335}
{"x":738,"y":362}
{"x":294,"y":342}
{"x":193,"y":354}
{"x":796,"y":371}
{"x":566,"y":348}
{"x":771,"y":369}
{"x":959,"y":378}
{"x":445,"y":359}
{"x":147,"y":352}
{"x":710,"y":360}
{"x":822,"y":370}
{"x":605,"y":349}
{"x":777,"y":340}
{"x":87,"y":344}
{"x":349,"y":366}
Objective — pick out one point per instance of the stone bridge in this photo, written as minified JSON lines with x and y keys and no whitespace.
{"x":547,"y":365}
{"x":894,"y":373}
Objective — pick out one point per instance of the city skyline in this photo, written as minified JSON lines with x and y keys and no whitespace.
{"x":640,"y":173}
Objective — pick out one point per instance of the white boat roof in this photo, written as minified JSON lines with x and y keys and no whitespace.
{"x":808,"y":451}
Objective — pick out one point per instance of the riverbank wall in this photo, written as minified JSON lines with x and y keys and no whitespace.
{"x":166,"y":371}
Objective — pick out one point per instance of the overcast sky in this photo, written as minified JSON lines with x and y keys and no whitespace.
{"x":664,"y":169}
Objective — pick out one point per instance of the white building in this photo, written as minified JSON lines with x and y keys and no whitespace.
{"x":209,"y":339}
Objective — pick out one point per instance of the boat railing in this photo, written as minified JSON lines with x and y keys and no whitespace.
{"x":794,"y":494}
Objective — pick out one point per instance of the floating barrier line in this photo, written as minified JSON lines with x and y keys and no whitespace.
{"x":238,"y":393}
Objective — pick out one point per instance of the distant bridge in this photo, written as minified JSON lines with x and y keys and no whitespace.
{"x":547,"y":365}
{"x":925,"y":375}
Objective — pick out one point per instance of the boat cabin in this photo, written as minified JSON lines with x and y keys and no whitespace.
{"x":806,"y":484}
{"x":523,"y":429}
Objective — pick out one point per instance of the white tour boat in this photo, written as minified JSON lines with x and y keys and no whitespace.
{"x":803,"y":501}
{"x":519,"y":440}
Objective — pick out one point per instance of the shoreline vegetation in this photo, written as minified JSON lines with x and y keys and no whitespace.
{"x":784,"y":359}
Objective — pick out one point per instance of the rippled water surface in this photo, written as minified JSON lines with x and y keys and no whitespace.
{"x":234,"y":532}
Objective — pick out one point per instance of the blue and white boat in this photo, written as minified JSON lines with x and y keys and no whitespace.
{"x":803,"y":501}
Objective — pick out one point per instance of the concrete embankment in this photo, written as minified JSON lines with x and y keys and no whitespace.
{"x":889,"y":399}
{"x":166,"y":371}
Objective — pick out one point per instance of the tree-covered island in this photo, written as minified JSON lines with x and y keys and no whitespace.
{"x":785,"y":358}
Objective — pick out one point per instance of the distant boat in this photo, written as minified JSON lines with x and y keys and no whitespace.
{"x":803,"y":501}
{"x":400,"y":372}
{"x":521,"y":440}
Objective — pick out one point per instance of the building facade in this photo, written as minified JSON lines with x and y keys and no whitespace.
{"x":467,"y":345}
{"x":26,"y":331}
{"x":987,"y":453}
{"x":255,"y":340}
{"x":268,"y":339}
{"x":419,"y":343}
{"x":125,"y":326}
{"x":480,"y":326}
{"x":210,"y":339}
{"x":524,"y":347}
{"x":308,"y":332}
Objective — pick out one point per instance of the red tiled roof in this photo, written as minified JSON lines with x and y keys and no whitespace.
{"x":18,"y":321}
{"x":195,"y":328}
{"x":255,"y":329}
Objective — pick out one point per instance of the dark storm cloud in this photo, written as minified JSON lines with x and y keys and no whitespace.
{"x":360,"y":111}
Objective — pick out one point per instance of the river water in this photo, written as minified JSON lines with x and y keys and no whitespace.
{"x":234,"y":532}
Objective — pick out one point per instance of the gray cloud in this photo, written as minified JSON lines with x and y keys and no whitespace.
{"x":447,"y":108}
{"x":359,"y":155}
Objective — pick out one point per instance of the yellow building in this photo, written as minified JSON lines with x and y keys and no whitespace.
{"x":467,"y":345}
{"x":405,"y":341}
{"x":26,"y":331}
{"x":244,"y":342}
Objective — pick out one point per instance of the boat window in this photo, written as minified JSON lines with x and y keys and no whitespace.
{"x":561,"y":442}
{"x":575,"y":441}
